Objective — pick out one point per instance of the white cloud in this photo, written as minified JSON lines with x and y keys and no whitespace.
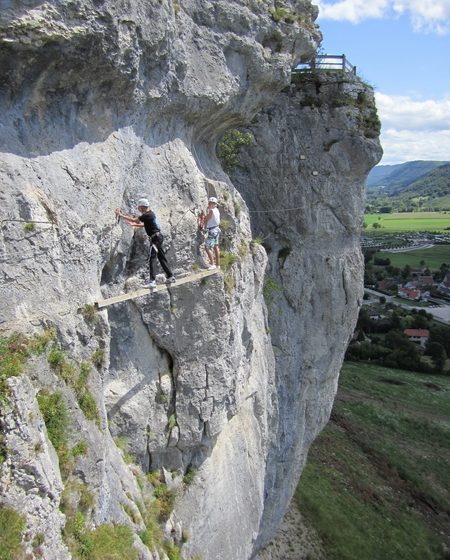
{"x":427,"y":16}
{"x":353,"y":10}
{"x":413,"y":129}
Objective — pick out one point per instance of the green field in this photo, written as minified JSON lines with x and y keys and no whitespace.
{"x":377,"y":480}
{"x":432,"y":257}
{"x":407,"y":221}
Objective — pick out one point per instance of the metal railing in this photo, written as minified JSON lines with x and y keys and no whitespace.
{"x":337,"y":62}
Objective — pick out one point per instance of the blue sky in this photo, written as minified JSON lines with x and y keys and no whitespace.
{"x":402,"y":48}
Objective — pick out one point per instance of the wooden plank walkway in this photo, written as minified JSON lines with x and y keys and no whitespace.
{"x":159,"y":288}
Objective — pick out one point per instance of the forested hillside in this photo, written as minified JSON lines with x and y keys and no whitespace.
{"x":403,"y":190}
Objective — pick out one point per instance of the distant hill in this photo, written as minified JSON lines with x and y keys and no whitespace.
{"x":412,"y":186}
{"x":395,"y":177}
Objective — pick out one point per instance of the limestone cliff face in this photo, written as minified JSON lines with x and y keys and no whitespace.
{"x":103,"y":102}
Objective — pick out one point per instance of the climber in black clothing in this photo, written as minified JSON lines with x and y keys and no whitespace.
{"x":148,"y":220}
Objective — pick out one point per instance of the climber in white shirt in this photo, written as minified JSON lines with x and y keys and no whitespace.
{"x":212,"y":223}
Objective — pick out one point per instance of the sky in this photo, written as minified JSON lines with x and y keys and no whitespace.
{"x":401,"y":48}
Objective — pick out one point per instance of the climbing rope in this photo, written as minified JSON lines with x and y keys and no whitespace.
{"x":26,"y":221}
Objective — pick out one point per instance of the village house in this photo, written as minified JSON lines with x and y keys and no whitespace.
{"x":418,"y":336}
{"x":425,"y":280}
{"x":409,"y":293}
{"x":386,"y":284}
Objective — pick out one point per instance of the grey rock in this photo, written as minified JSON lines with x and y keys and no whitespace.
{"x":104,"y":103}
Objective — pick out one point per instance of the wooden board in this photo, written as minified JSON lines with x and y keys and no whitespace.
{"x":159,"y":288}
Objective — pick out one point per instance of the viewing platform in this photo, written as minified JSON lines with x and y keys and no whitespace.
{"x":333,"y":62}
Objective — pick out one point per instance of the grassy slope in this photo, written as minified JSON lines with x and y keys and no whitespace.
{"x":377,"y":482}
{"x":433,"y":257}
{"x":407,"y":221}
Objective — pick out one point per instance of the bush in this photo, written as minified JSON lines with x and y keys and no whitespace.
{"x":56,"y":418}
{"x":13,"y":355}
{"x":89,"y":312}
{"x":14,"y":352}
{"x":229,"y":147}
{"x":270,"y":288}
{"x":227,"y":260}
{"x":165,"y":499}
{"x":98,"y":358}
{"x":106,"y":542}
{"x":56,"y":360}
{"x":87,"y":404}
{"x":12,"y":526}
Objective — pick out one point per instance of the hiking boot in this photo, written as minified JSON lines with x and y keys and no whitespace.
{"x":211,"y":267}
{"x":171,"y":280}
{"x":150,"y":285}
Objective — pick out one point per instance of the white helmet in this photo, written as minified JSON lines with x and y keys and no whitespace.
{"x":143,"y":202}
{"x":213,"y":199}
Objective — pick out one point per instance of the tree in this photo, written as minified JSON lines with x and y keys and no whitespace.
{"x":364,"y":321}
{"x":438,"y":355}
{"x":406,"y":272}
{"x":441,"y":334}
{"x":420,"y":322}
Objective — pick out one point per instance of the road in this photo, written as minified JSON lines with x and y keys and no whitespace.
{"x":441,"y":314}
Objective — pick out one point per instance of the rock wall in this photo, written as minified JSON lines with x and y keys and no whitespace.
{"x":303,"y":181}
{"x":103,"y":102}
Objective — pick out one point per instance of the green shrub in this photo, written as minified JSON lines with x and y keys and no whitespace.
{"x":243,"y":249}
{"x":229,"y":147}
{"x":165,"y":499}
{"x":270,"y":288}
{"x":132,"y":513}
{"x":14,"y":352}
{"x":3,"y":452}
{"x":237,"y":207}
{"x":76,"y":497}
{"x":122,"y":444}
{"x":229,"y":282}
{"x":372,"y":125}
{"x":38,"y":539}
{"x":28,"y":227}
{"x":12,"y":526}
{"x":256,"y":241}
{"x":88,"y":405}
{"x":98,"y":358}
{"x":56,"y":359}
{"x":79,"y":448}
{"x":173,"y":551}
{"x":227,"y":260}
{"x":13,"y":355}
{"x":152,"y":536}
{"x":113,"y":542}
{"x":172,"y":421}
{"x":40,"y":341}
{"x":106,"y":542}
{"x":89,"y":312}
{"x":68,"y":373}
{"x":154,"y":477}
{"x":85,"y":370}
{"x":56,"y":417}
{"x":190,"y":475}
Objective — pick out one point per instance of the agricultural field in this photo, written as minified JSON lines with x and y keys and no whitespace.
{"x":407,"y":222}
{"x":377,"y":480}
{"x":419,"y":258}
